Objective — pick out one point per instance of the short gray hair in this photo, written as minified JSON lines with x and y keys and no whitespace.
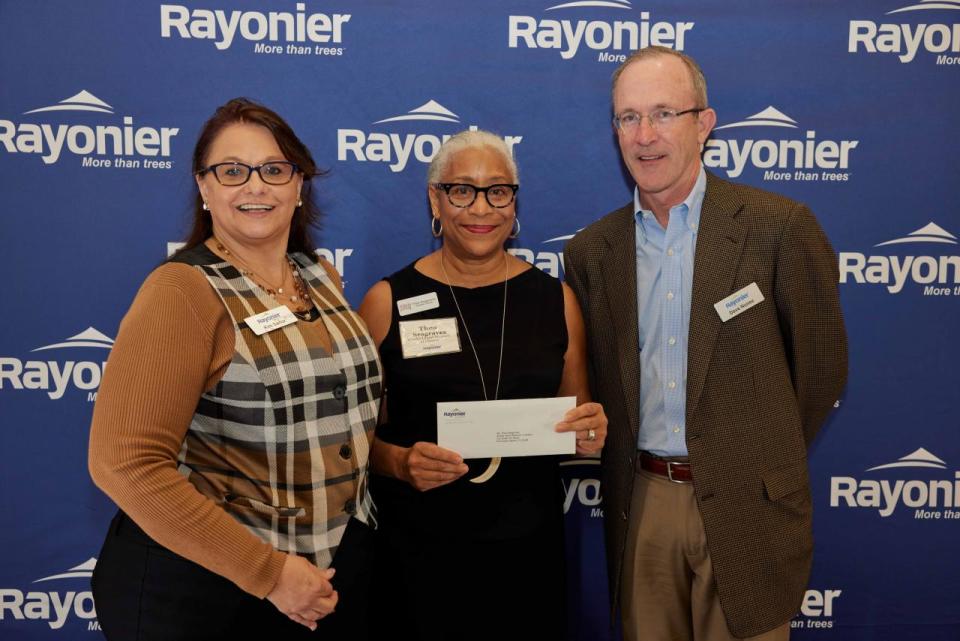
{"x":470,"y":139}
{"x":696,"y":73}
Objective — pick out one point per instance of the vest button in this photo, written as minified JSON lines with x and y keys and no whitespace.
{"x":345,"y":451}
{"x":350,"y":507}
{"x":339,"y":392}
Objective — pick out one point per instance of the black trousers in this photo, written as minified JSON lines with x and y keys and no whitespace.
{"x":464,"y":590}
{"x":143,"y":591}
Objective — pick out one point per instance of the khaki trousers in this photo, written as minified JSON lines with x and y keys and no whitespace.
{"x":668,"y":591}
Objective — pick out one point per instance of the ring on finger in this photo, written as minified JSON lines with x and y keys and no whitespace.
{"x":591,"y":434}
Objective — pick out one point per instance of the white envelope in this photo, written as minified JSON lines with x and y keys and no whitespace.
{"x":522,"y":427}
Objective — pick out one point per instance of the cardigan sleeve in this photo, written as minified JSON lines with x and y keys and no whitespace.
{"x":176,"y":341}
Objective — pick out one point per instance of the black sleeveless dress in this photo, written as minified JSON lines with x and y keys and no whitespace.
{"x":462,"y":560}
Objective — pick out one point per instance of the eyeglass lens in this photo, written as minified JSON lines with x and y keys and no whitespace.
{"x":272,"y":173}
{"x":464,"y":195}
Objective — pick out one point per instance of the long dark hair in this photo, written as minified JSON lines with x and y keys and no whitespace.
{"x":244,"y":110}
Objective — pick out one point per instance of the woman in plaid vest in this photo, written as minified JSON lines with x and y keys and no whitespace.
{"x":233,"y":429}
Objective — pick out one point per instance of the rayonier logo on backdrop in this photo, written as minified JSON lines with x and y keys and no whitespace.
{"x":54,"y":607}
{"x":584,"y":491}
{"x":116,"y":146}
{"x":816,"y":610}
{"x":935,"y":499}
{"x":548,"y":261}
{"x":279,"y":33}
{"x":939,"y":275}
{"x":613,"y":39}
{"x":336,"y":257}
{"x":395,"y":149}
{"x":56,"y":377}
{"x":905,"y":40}
{"x":791,"y":157}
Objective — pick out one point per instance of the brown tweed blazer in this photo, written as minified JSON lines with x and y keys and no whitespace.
{"x":758,"y":387}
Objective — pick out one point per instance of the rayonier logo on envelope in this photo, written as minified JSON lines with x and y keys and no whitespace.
{"x":454,"y":413}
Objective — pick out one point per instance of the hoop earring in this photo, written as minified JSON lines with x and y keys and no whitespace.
{"x":436,"y":231}
{"x":516,"y":224}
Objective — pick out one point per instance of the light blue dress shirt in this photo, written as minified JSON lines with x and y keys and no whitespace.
{"x":664,"y":287}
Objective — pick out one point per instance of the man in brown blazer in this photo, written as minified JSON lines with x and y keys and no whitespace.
{"x":717,"y":348}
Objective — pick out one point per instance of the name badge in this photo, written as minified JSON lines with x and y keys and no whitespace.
{"x":416,"y":304}
{"x":739,"y":302}
{"x":429,"y":337}
{"x":270,"y":320}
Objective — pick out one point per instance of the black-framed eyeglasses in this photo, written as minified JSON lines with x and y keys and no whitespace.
{"x":659,"y":118}
{"x":464,"y":194}
{"x":234,"y":174}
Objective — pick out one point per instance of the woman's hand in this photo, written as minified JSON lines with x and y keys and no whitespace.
{"x":304,"y":592}
{"x":427,"y":465}
{"x":589,"y":421}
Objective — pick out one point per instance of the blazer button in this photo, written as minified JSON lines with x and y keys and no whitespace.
{"x":345,"y":451}
{"x":339,"y":392}
{"x":350,"y":507}
{"x":623,"y":516}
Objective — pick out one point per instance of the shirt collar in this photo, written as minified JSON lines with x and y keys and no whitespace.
{"x":688,"y":210}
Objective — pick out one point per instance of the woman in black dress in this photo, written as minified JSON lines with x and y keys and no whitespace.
{"x":474,"y":549}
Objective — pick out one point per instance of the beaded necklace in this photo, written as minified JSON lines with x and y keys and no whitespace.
{"x":301,"y":298}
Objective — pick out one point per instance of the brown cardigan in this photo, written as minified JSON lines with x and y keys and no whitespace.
{"x":145,"y":403}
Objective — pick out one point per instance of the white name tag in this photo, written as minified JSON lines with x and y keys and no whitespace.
{"x":270,"y":320}
{"x":416,"y":304}
{"x":738,"y":302}
{"x":429,"y":337}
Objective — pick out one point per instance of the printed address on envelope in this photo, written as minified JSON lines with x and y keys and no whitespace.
{"x":522,"y":427}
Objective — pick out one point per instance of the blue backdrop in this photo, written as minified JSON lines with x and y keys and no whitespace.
{"x":847,"y":106}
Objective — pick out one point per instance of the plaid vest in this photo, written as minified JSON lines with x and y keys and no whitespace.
{"x":282,"y":442}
